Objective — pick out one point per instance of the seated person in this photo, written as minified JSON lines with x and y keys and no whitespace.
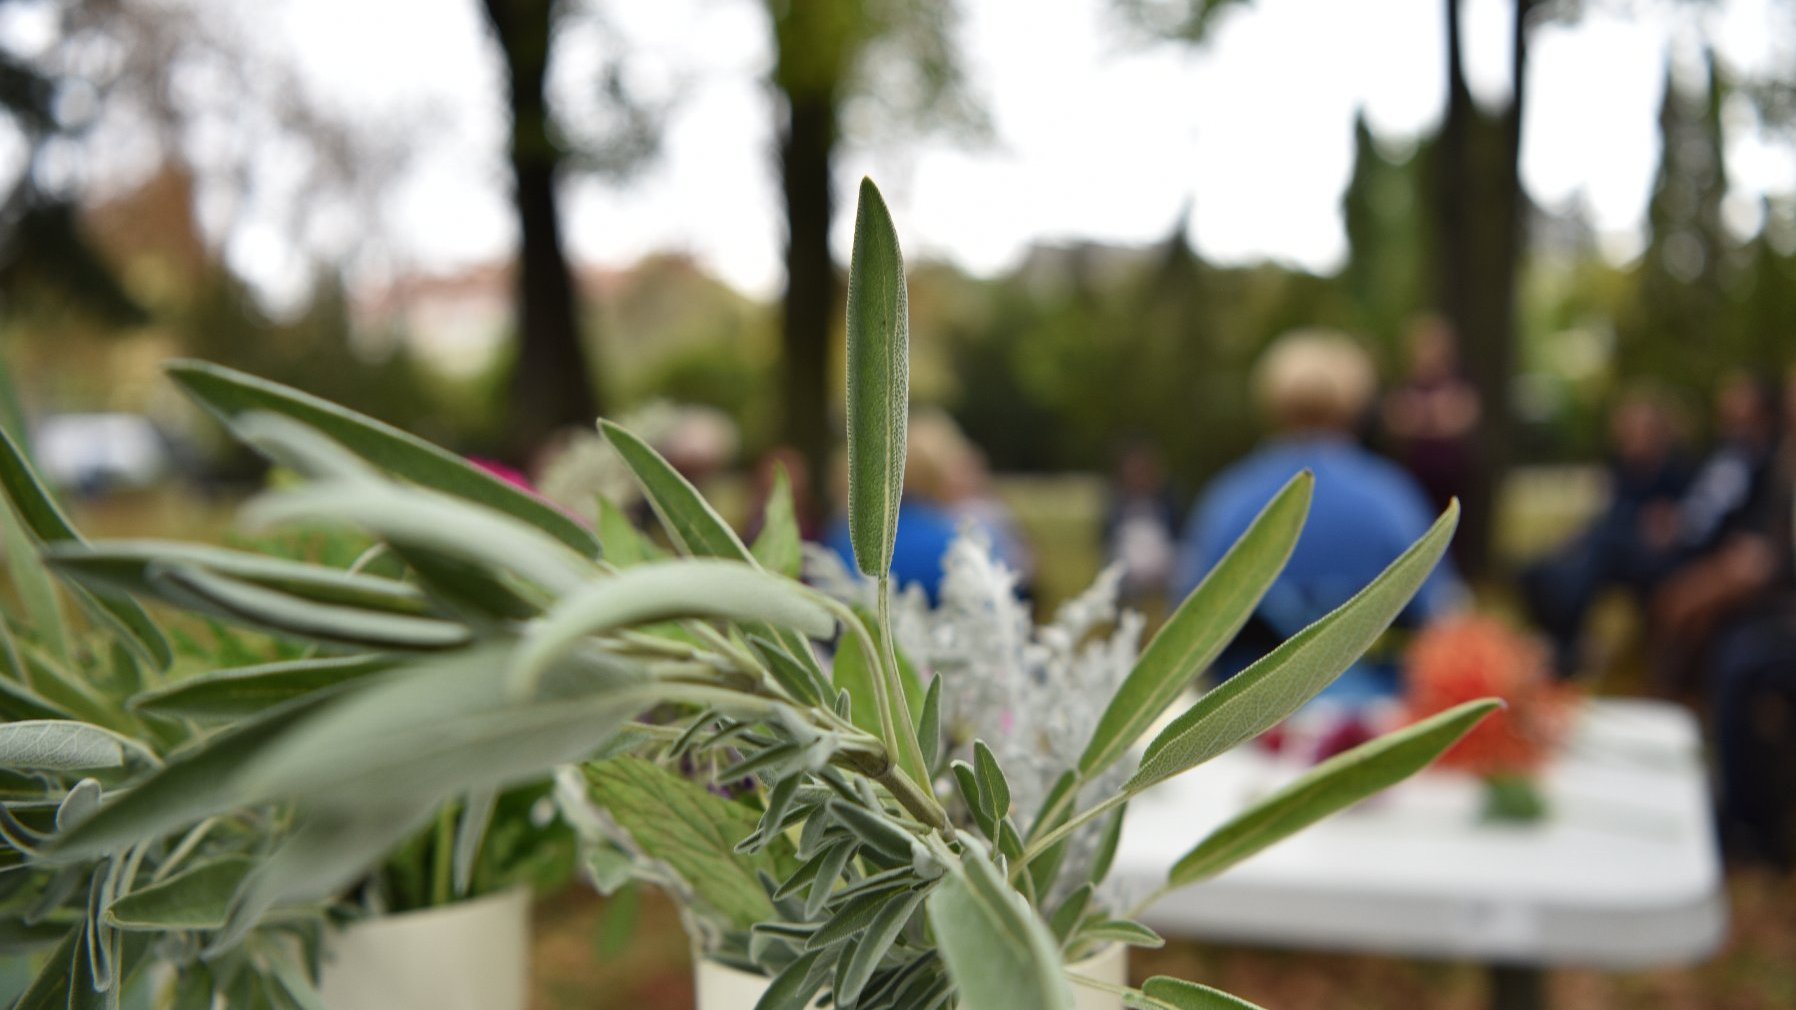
{"x":1313,"y":386}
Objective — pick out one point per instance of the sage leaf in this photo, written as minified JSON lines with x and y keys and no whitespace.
{"x":878,"y":383}
{"x":470,"y":830}
{"x":661,"y":591}
{"x":278,"y":613}
{"x":794,"y":986}
{"x":693,"y":831}
{"x":689,"y":519}
{"x":1264,"y":694}
{"x":196,"y":898}
{"x":1178,"y":994}
{"x":998,"y":953}
{"x":225,"y":695}
{"x":864,"y":957}
{"x":409,"y":517}
{"x":1201,"y":627}
{"x":994,"y":789}
{"x":1339,"y":782}
{"x":33,"y":505}
{"x":195,"y":782}
{"x":1123,"y":931}
{"x":62,"y":746}
{"x":929,"y":723}
{"x":230,"y":394}
{"x":777,"y":548}
{"x":126,"y":566}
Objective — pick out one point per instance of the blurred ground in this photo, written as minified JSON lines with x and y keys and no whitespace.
{"x":1756,"y":970}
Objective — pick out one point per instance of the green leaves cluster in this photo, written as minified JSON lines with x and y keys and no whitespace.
{"x":800,"y":809}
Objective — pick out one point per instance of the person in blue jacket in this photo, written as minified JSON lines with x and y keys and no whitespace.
{"x":1314,"y":386}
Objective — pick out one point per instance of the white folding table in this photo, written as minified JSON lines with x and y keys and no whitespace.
{"x":1622,"y":873}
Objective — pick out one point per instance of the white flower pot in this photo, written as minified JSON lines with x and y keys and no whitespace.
{"x":720,"y":987}
{"x":471,"y":955}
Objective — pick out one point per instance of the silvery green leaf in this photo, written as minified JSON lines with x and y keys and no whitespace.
{"x":778,"y":546}
{"x":196,"y":898}
{"x":47,"y":525}
{"x":998,"y":953}
{"x":37,"y":592}
{"x":470,"y":829}
{"x":850,"y":918}
{"x":879,"y":834}
{"x":1106,"y":854}
{"x":50,"y":987}
{"x":662,"y":591}
{"x":328,"y":850}
{"x":624,"y":543}
{"x":994,"y":790}
{"x":62,"y":746}
{"x":878,"y":383}
{"x":794,"y":986}
{"x":1264,"y":694}
{"x":225,"y":695}
{"x":1335,"y":784}
{"x":231,"y":394}
{"x":794,"y":677}
{"x":80,"y":803}
{"x":692,"y":830}
{"x":1123,"y":931}
{"x":1066,"y":918}
{"x":409,"y":517}
{"x":281,"y":614}
{"x":126,"y":566}
{"x":1201,"y":627}
{"x":440,"y":726}
{"x":194,"y":783}
{"x":1178,"y":994}
{"x":689,"y":519}
{"x":822,"y":887}
{"x":929,"y":723}
{"x":864,"y":956}
{"x":967,"y":781}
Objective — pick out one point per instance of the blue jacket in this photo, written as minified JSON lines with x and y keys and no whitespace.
{"x":1365,"y":512}
{"x":924,"y":533}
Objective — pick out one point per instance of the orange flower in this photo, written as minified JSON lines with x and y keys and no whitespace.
{"x":1461,"y":659}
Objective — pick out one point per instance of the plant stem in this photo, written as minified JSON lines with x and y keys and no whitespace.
{"x":1077,"y":821}
{"x":444,"y":852}
{"x":910,"y":749}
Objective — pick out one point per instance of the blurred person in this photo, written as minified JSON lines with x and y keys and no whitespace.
{"x":1724,"y":509}
{"x":1750,"y":669}
{"x":1430,"y":415}
{"x":1314,"y":386}
{"x":962,"y":480}
{"x":1141,"y":523}
{"x":1624,"y":547}
{"x":926,"y":527}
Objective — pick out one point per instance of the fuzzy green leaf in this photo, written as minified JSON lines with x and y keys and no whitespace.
{"x":778,"y":546}
{"x":662,"y":591}
{"x":1178,"y":994}
{"x":878,"y":383}
{"x":998,"y":952}
{"x":681,"y":823}
{"x":126,"y":566}
{"x":1123,"y":931}
{"x":690,"y":520}
{"x":196,"y":898}
{"x":1264,"y":694}
{"x":1337,"y":783}
{"x":1202,"y":626}
{"x":225,"y":695}
{"x":231,"y":394}
{"x":864,"y":956}
{"x":281,"y":614}
{"x":57,"y":745}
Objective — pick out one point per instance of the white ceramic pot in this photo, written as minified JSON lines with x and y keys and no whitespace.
{"x":720,"y":987}
{"x":472,"y":955}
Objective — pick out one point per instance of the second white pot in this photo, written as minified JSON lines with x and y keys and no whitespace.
{"x":472,"y":955}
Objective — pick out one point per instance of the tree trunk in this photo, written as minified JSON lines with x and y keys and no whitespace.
{"x":806,"y":150}
{"x":1480,"y":217}
{"x":551,"y":383}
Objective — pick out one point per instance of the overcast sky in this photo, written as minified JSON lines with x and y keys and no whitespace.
{"x":1097,"y":135}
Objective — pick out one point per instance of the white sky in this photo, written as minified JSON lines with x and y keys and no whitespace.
{"x":1096,"y":135}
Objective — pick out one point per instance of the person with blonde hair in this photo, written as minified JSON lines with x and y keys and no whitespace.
{"x":1313,"y":387}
